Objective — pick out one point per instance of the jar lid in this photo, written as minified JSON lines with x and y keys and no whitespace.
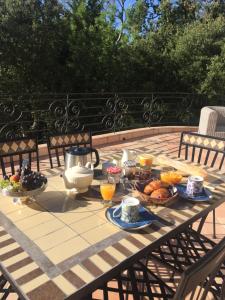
{"x":78,"y":151}
{"x":130,"y":163}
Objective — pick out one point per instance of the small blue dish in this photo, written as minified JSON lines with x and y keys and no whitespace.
{"x":146,"y":218}
{"x":206,"y":195}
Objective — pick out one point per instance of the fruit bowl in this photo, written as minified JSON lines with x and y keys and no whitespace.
{"x":26,"y":194}
{"x":172,"y":193}
{"x":25,"y":184}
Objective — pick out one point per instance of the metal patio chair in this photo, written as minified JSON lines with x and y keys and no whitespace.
{"x":57,"y":144}
{"x":6,"y":289}
{"x":12,"y":153}
{"x":205,"y":150}
{"x":204,"y":277}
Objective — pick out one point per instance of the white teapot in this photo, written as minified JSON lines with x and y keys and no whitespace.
{"x":78,"y":178}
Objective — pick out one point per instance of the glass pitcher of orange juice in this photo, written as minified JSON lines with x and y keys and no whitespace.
{"x":146,"y":160}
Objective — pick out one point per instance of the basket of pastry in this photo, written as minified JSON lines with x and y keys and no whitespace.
{"x":157,"y":192}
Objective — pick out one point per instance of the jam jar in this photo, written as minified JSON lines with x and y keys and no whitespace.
{"x":130,"y":169}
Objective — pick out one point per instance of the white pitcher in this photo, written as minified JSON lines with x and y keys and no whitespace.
{"x":128,"y":155}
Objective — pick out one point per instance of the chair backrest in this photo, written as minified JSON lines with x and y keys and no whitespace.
{"x":221,"y":114}
{"x":57,"y":144}
{"x":203,"y":149}
{"x":196,"y":282}
{"x":12,"y":152}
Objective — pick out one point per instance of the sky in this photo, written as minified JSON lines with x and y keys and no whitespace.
{"x":127,"y":3}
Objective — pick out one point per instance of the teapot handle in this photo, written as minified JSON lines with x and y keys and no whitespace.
{"x":97,"y":157}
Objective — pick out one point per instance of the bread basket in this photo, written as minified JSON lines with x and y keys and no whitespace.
{"x":139,"y":187}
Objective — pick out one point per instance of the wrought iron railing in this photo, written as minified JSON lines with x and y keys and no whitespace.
{"x":60,"y":113}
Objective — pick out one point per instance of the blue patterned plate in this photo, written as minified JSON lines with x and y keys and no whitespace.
{"x":206,"y":195}
{"x":146,"y":218}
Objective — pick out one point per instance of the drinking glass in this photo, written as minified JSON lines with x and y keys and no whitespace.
{"x":107,"y":190}
{"x":146,"y":160}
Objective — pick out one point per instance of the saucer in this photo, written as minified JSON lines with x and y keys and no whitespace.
{"x":146,"y":218}
{"x":205,"y":195}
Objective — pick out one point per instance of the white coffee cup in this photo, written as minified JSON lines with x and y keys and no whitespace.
{"x":128,"y":210}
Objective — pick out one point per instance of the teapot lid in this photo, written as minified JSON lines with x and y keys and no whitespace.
{"x":80,"y":170}
{"x":78,"y":150}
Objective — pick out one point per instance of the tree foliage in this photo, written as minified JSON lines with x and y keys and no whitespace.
{"x":104,"y":45}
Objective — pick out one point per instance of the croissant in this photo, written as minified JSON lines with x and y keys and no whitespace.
{"x":161,"y":193}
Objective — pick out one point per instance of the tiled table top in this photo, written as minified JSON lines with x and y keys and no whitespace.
{"x":61,"y":245}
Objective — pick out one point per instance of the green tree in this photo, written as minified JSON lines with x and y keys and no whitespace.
{"x":32,"y":41}
{"x":196,"y":47}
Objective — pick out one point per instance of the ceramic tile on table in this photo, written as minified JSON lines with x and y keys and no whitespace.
{"x":4,"y":237}
{"x":67,"y":249}
{"x":93,"y":205}
{"x":116,"y":254}
{"x":24,"y":270}
{"x":64,"y":285}
{"x":22,"y":212}
{"x":14,"y":259}
{"x":100,"y":262}
{"x":57,"y":183}
{"x":33,"y":221}
{"x":73,"y":216}
{"x":82,"y":272}
{"x":100,"y":233}
{"x":55,"y":238}
{"x":36,"y":282}
{"x":43,"y":229}
{"x":7,"y":205}
{"x":61,"y":202}
{"x":87,"y":224}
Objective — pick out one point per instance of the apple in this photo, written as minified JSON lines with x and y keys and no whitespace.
{"x":15,"y":178}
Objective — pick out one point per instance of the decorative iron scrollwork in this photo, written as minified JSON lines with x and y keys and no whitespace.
{"x":12,"y":131}
{"x":58,"y":108}
{"x":154,"y":109}
{"x":63,"y":113}
{"x":115,"y":119}
{"x":185,"y":110}
{"x":66,"y":114}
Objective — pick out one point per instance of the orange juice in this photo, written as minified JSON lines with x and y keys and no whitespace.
{"x":107,"y":190}
{"x":146,"y":160}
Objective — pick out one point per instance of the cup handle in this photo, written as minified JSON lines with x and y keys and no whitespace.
{"x":116,"y":210}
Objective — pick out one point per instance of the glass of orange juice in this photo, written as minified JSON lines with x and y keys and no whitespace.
{"x":145,"y":160}
{"x":107,"y":190}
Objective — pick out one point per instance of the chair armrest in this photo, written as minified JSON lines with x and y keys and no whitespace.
{"x":208,"y":121}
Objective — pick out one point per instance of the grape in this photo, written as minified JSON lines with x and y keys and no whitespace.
{"x":33,"y":180}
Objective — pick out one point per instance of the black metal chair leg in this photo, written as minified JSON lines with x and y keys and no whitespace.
{"x":214,"y":224}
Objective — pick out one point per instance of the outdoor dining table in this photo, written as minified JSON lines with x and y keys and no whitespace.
{"x":62,"y":246}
